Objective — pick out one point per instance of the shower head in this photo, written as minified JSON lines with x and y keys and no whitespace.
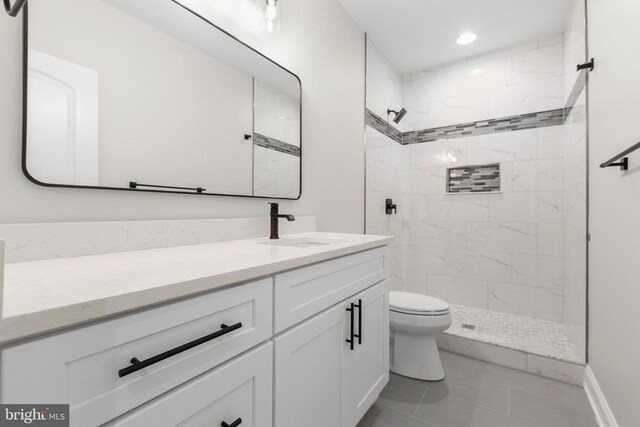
{"x":399,"y":114}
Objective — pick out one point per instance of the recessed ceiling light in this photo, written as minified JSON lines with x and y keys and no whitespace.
{"x":475,"y":72}
{"x":466,"y":38}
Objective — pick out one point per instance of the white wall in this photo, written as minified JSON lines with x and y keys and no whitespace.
{"x":614,"y":203}
{"x":525,"y":78}
{"x":331,"y":66}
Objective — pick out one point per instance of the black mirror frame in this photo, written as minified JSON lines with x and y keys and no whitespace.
{"x":15,"y":9}
{"x":25,"y":55}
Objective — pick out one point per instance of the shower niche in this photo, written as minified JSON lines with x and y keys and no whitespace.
{"x":474,"y":179}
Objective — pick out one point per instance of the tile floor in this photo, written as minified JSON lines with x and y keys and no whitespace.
{"x":479,"y":394}
{"x":535,"y":336}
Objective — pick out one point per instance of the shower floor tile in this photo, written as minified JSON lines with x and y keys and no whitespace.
{"x":535,"y":336}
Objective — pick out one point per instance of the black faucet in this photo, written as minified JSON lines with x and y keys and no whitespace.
{"x":274,"y":220}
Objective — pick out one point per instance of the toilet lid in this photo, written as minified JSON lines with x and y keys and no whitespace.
{"x":416,"y":303}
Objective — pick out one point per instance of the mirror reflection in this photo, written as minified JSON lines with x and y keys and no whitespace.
{"x":149,"y":95}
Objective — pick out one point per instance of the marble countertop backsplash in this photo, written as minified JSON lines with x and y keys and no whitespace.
{"x":30,"y":242}
{"x":43,"y":295}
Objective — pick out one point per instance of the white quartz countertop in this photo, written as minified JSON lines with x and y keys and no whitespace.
{"x":41,"y":296}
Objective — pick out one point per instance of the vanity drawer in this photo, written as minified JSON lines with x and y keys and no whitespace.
{"x":301,"y":293}
{"x":240,"y":389}
{"x":82,"y":367}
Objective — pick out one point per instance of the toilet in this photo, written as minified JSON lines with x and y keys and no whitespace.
{"x":415,"y":319}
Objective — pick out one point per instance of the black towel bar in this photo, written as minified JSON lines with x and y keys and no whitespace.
{"x":622,"y":157}
{"x":134,"y":185}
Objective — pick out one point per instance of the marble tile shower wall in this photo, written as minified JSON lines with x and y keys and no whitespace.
{"x":384,"y":85}
{"x":523,"y":79}
{"x":276,"y":115}
{"x":386,"y":179}
{"x":500,"y":251}
{"x":275,"y":173}
{"x":276,"y":153}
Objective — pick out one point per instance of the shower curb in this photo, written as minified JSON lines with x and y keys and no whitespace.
{"x":560,"y":370}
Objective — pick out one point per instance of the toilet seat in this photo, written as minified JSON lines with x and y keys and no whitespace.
{"x":417,"y":304}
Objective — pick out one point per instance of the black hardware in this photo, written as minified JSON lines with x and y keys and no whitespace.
{"x":247,"y":137}
{"x":351,"y":341}
{"x":275,"y":214}
{"x":133,"y":184}
{"x":236,"y":423}
{"x":398,"y":114}
{"x":623,"y":163}
{"x":587,"y":65}
{"x":136,"y":364}
{"x":359,"y":334}
{"x":15,"y":9}
{"x":624,"y":160}
{"x":390,"y":207}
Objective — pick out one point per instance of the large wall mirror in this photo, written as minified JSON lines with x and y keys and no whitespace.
{"x":148,"y":95}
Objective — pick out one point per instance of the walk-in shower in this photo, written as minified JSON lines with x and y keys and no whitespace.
{"x":489,"y":174}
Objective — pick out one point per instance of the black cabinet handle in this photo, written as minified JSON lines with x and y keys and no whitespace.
{"x":136,"y":364}
{"x":359,"y":334}
{"x":236,"y":423}
{"x":351,"y":341}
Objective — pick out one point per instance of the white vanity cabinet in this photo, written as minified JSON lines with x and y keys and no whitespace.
{"x":306,"y":347}
{"x":369,"y":361}
{"x":331,"y":368}
{"x":82,"y":367}
{"x":236,"y":392}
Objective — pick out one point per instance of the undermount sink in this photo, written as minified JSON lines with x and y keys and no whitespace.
{"x":301,"y":242}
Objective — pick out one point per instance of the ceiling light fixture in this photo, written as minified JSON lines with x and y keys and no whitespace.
{"x":475,"y":72}
{"x":466,"y":38}
{"x":272,"y":12}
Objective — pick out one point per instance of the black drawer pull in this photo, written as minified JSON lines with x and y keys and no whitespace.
{"x":359,"y":334}
{"x":351,"y":341}
{"x":136,"y":364}
{"x":236,"y":423}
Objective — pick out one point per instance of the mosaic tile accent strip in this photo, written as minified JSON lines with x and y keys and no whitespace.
{"x":505,"y":124}
{"x":535,"y":336}
{"x":474,"y":179}
{"x":381,"y":125}
{"x":275,"y":144}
